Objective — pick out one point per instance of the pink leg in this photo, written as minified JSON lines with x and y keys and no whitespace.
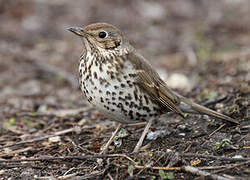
{"x":105,"y":149}
{"x":139,"y":144}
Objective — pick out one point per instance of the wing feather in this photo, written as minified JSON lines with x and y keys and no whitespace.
{"x":149,"y":80}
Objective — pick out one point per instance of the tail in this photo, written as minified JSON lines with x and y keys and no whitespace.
{"x":196,"y":108}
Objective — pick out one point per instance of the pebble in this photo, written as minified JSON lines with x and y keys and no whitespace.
{"x":238,"y":156}
{"x":182,"y":134}
{"x":179,"y":81}
{"x":182,"y":127}
{"x":154,"y":135}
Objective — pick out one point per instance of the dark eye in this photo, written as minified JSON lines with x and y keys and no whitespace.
{"x":102,"y":34}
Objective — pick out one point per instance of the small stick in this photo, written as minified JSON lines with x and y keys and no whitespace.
{"x":233,"y":166}
{"x":196,"y":171}
{"x":139,"y":144}
{"x":223,"y":158}
{"x":105,"y":149}
{"x":217,"y":130}
{"x":137,"y":124}
{"x":42,"y":138}
{"x":212,"y":102}
{"x":9,"y":153}
{"x":50,"y":158}
{"x":109,"y":176}
{"x":159,"y":168}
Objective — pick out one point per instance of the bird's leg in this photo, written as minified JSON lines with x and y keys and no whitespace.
{"x":105,"y":149}
{"x":139,"y":144}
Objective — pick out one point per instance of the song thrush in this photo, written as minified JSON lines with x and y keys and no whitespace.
{"x":121,"y":83}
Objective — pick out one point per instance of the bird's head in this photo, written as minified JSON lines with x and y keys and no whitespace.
{"x":100,"y":37}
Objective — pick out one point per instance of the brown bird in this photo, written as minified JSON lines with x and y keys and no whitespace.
{"x":121,"y":83}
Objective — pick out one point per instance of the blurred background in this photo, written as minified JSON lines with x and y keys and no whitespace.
{"x":200,"y":47}
{"x":195,"y":46}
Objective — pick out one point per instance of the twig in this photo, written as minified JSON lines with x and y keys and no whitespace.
{"x":124,"y":155}
{"x":68,"y":158}
{"x":196,"y":171}
{"x":68,"y":176}
{"x":111,"y":139}
{"x":74,"y":129}
{"x":9,"y":153}
{"x":67,"y":172}
{"x":74,"y":176}
{"x":19,"y":165}
{"x":211,"y":167}
{"x":57,"y":113}
{"x":233,"y":166}
{"x":137,"y":124}
{"x":193,"y":170}
{"x":223,"y":158}
{"x":216,"y":130}
{"x":109,"y":176}
{"x":147,"y":146}
{"x":158,"y":168}
{"x":139,"y":144}
{"x":212,"y":102}
{"x":189,"y":146}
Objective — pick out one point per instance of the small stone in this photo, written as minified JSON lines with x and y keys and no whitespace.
{"x":82,"y":122}
{"x":179,"y":81}
{"x":55,"y":139}
{"x":169,"y":150}
{"x":182,"y":134}
{"x":219,"y":106}
{"x":238,"y":156}
{"x":182,"y":127}
{"x":206,"y":117}
{"x":100,"y":161}
{"x":2,"y":172}
{"x":156,"y":134}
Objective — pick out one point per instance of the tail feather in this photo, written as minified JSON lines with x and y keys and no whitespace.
{"x":201,"y":109}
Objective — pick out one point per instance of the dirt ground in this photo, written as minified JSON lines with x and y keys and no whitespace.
{"x":47,"y":130}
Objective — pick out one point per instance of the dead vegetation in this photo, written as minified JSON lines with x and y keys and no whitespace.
{"x":48,"y":132}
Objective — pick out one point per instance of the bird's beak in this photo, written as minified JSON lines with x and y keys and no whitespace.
{"x":78,"y":31}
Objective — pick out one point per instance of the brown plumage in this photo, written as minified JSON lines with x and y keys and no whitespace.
{"x":120,"y":83}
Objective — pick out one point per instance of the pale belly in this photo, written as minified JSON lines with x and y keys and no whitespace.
{"x":116,"y":95}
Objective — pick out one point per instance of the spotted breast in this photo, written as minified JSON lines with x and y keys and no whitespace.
{"x":110,"y":85}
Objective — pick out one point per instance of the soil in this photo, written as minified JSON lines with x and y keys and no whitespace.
{"x":47,"y":129}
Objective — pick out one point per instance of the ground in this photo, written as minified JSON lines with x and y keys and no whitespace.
{"x":47,"y":130}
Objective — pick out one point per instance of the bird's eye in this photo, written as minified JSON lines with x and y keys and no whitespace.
{"x":102,"y":34}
